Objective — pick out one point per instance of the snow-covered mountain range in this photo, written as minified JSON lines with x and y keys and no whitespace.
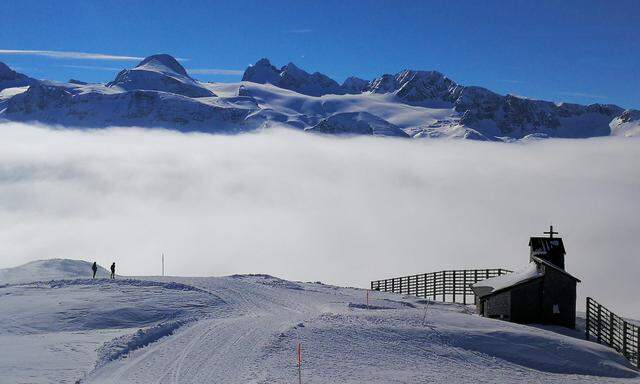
{"x":159,"y":92}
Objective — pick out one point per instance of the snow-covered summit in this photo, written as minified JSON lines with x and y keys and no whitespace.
{"x":291,"y":77}
{"x":162,"y":63}
{"x":44,"y":270}
{"x":417,"y":86}
{"x":10,"y":78}
{"x":160,"y":73}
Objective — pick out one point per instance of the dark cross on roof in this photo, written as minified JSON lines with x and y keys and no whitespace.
{"x":551,"y":232}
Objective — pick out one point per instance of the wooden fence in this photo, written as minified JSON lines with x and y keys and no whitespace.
{"x":452,"y":284}
{"x":607,"y":328}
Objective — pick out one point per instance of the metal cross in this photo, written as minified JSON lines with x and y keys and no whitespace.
{"x":551,"y":232}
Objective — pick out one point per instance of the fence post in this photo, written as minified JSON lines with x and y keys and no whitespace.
{"x":599,"y":323}
{"x":475,"y":280}
{"x":464,"y":287}
{"x":638,"y":347}
{"x":624,"y":338}
{"x":433,"y":283}
{"x":587,"y":324}
{"x":611,"y":326}
{"x":454,"y":286}
{"x":424,"y":288}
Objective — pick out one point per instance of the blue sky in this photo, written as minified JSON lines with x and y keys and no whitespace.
{"x":576,"y":51}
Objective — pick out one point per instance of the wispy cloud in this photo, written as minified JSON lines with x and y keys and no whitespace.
{"x":69,"y":55}
{"x":582,"y":94}
{"x":216,"y":71}
{"x":92,"y":67}
{"x":298,"y":31}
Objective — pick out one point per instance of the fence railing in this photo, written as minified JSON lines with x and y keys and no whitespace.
{"x":453,"y":284}
{"x":607,"y":328}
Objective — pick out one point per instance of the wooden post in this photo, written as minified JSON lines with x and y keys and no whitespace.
{"x":638,"y":347}
{"x":464,"y":287}
{"x":587,"y":323}
{"x":454,"y":286}
{"x":475,"y":280}
{"x":611,"y":326}
{"x":424,"y":289}
{"x":433,"y":283}
{"x":599,"y":323}
{"x":624,"y":339}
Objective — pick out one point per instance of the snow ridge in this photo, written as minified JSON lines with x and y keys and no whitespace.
{"x":159,"y":93}
{"x":293,"y":78}
{"x":121,"y":346}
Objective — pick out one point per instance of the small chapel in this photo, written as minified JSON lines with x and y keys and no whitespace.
{"x":543,"y":292}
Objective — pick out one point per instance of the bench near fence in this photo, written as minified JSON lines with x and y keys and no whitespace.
{"x":452,"y":284}
{"x":607,"y":328}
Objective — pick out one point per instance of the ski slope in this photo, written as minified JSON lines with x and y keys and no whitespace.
{"x":244,"y":329}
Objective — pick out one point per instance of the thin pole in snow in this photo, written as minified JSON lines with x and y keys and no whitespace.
{"x":299,"y":350}
{"x":163,"y":264}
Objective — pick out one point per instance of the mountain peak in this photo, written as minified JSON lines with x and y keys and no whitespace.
{"x":160,"y":73}
{"x":162,"y":61}
{"x":290,"y":65}
{"x":291,"y":77}
{"x":10,"y":78}
{"x":264,"y":62}
{"x":5,"y":71}
{"x":355,"y":85}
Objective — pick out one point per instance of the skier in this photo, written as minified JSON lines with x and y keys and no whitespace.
{"x":113,"y":270}
{"x":94,"y":268}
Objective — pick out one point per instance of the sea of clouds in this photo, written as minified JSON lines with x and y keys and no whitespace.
{"x":315,"y":208}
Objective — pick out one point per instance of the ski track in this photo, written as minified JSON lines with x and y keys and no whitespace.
{"x":249,"y":331}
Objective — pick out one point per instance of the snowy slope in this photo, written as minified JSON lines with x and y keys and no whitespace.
{"x":245,"y":329}
{"x":357,"y":123}
{"x":49,"y":270}
{"x":159,"y":92}
{"x":10,"y":78}
{"x":160,"y":73}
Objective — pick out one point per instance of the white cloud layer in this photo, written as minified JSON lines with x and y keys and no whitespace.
{"x":307,"y":207}
{"x":69,"y":55}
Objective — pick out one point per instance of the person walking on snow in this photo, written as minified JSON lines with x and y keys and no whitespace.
{"x":113,"y":270}
{"x":94,"y":268}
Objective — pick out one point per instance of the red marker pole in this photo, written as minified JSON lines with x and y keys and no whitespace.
{"x":299,"y":355}
{"x":367,"y":298}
